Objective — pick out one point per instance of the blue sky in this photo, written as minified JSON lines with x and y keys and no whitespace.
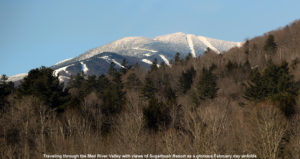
{"x":42,"y":32}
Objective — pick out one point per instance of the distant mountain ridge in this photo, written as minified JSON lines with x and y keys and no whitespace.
{"x":138,"y":50}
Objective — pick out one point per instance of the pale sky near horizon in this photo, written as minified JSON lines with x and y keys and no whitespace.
{"x":35,"y":33}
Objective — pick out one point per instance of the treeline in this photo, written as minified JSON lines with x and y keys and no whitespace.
{"x":244,"y":101}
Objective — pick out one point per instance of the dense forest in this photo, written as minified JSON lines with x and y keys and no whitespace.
{"x":244,"y":101}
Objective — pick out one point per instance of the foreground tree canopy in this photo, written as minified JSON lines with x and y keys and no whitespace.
{"x":275,"y":83}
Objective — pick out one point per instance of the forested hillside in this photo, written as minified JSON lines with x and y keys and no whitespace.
{"x":244,"y":101}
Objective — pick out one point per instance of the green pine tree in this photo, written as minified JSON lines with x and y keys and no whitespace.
{"x":231,"y":65}
{"x":125,"y":67}
{"x":270,"y":44}
{"x":246,"y":47}
{"x":148,"y":89}
{"x":188,"y":57}
{"x":186,"y":79}
{"x":114,"y":99}
{"x":275,"y":83}
{"x":132,"y":81}
{"x":112,"y":70}
{"x":41,"y":83}
{"x":177,"y":59}
{"x":154,"y":65}
{"x":6,"y":88}
{"x":207,"y":86}
{"x":156,"y":115}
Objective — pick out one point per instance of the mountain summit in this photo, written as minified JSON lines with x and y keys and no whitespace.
{"x":166,"y":44}
{"x":139,"y":50}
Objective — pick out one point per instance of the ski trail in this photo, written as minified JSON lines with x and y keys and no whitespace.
{"x":208,"y":44}
{"x":191,"y":44}
{"x":144,"y":49}
{"x":56,"y":72}
{"x":116,"y":62}
{"x":165,"y":59}
{"x":109,"y":60}
{"x":147,"y":61}
{"x":84,"y":67}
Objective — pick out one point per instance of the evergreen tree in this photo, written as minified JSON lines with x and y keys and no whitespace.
{"x":212,"y":67}
{"x":112,"y":70}
{"x":6,"y":88}
{"x":84,"y":86}
{"x":132,"y":81}
{"x":162,"y":65}
{"x":255,"y":90}
{"x":41,"y":83}
{"x":103,"y":83}
{"x":125,"y":67}
{"x":274,"y":83}
{"x":106,"y":126}
{"x":208,"y":49}
{"x":270,"y":44}
{"x":79,"y":83}
{"x":114,"y":99}
{"x":169,"y":94}
{"x":231,"y":65}
{"x":3,"y":78}
{"x":154,"y":65}
{"x":74,"y":88}
{"x":148,"y":90}
{"x":156,"y":115}
{"x":90,"y":84}
{"x":246,"y":47}
{"x":114,"y":96}
{"x":295,"y":63}
{"x":76,"y":82}
{"x":177,"y":58}
{"x":137,"y":66}
{"x":247,"y":66}
{"x":186,"y":79}
{"x":188,"y":57}
{"x":207,"y":86}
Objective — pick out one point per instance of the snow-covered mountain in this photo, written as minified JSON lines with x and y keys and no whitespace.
{"x":139,"y":50}
{"x":17,"y":78}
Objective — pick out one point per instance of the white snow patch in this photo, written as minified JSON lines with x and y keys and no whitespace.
{"x":56,"y":72}
{"x":165,"y":59}
{"x":147,"y":61}
{"x":109,"y":60}
{"x":63,"y":78}
{"x":208,"y":44}
{"x":143,"y":49}
{"x":240,"y":44}
{"x":84,"y":67}
{"x":105,"y":57}
{"x":63,"y":61}
{"x":147,"y":54}
{"x":191,"y":44}
{"x":116,"y":62}
{"x":17,"y":77}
